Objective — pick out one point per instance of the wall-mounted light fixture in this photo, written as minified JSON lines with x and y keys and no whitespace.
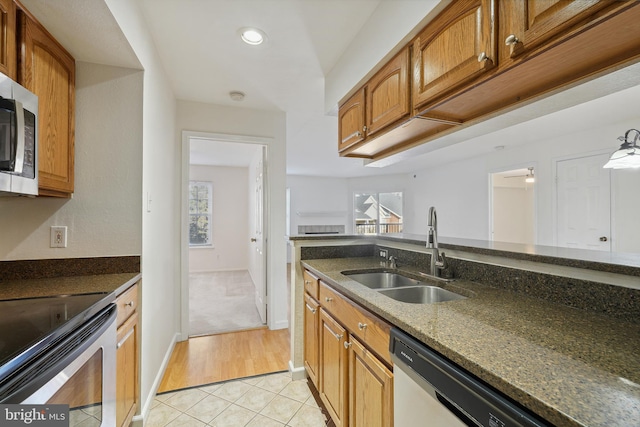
{"x":628,"y":155}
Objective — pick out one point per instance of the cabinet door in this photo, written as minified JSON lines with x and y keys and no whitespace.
{"x":351,"y":118}
{"x":387,"y":94}
{"x":8,"y":53}
{"x":311,"y":338}
{"x":532,"y":23}
{"x":370,"y":389}
{"x":127,"y":375}
{"x":455,"y":48}
{"x":48,"y":70}
{"x":333,"y":369}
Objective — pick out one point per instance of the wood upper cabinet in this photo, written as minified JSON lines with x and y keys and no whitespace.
{"x":458,"y":46}
{"x":528,"y":24}
{"x":387,"y":94}
{"x":333,"y":368}
{"x":48,"y":70}
{"x":311,"y":338}
{"x":370,"y":389}
{"x":8,"y":52}
{"x":351,"y":117}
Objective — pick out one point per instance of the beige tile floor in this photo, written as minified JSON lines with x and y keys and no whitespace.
{"x":272,"y":400}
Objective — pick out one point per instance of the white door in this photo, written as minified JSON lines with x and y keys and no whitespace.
{"x":584,"y":204}
{"x":259,"y":239}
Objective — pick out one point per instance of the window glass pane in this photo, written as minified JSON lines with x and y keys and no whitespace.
{"x":366,"y":213}
{"x":200,"y":195}
{"x":390,"y":212}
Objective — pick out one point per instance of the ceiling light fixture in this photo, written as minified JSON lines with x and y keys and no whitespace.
{"x":236,"y":95}
{"x":252,"y":36}
{"x":628,"y":155}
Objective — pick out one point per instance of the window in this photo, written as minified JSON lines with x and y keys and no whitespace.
{"x":378,"y":213}
{"x":200,"y":209}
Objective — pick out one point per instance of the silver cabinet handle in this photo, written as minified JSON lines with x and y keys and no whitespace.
{"x":362,"y":326}
{"x":307,"y":282}
{"x":129,"y":304}
{"x":336,"y":336}
{"x":358,"y":134}
{"x":327,"y":299}
{"x":126,"y":337}
{"x":347,"y":344}
{"x":311,"y":309}
{"x":511,"y":40}
{"x":482,"y":57}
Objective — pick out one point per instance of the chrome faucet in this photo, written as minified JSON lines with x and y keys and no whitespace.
{"x":438,"y":260}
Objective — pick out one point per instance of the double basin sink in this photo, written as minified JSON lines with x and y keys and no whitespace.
{"x":403,"y":288}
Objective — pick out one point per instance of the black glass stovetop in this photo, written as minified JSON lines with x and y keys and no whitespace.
{"x":30,"y":326}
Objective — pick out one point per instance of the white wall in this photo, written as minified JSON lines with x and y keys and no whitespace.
{"x":198,"y":117}
{"x":513,"y":215}
{"x":230,"y":222}
{"x":103,"y":217}
{"x":161,"y":203}
{"x":318,"y":201}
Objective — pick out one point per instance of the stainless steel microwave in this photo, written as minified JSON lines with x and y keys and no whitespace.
{"x":18,"y":141}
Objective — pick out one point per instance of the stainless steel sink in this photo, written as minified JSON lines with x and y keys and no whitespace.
{"x":403,"y":288}
{"x":383,"y":280}
{"x":421,"y":294}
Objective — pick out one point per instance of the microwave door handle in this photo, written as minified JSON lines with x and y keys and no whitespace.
{"x":20,"y":138}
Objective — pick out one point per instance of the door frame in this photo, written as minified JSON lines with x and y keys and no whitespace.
{"x":554,"y":193}
{"x":184,"y":217}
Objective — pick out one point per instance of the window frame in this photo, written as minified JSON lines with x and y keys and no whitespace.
{"x":378,"y":218}
{"x":209,"y":214}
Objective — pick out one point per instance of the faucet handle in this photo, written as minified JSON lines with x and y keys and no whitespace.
{"x":442,"y":262}
{"x":392,"y":262}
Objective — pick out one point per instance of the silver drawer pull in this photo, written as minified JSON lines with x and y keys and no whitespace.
{"x":129,"y":304}
{"x":336,"y":336}
{"x":126,"y":337}
{"x":362,"y":326}
{"x":347,"y":344}
{"x":327,"y":299}
{"x":311,"y":309}
{"x":511,"y":40}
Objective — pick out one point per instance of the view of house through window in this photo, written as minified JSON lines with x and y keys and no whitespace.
{"x":378,"y":213}
{"x":200,"y":208}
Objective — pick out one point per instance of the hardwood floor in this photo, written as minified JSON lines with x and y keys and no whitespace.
{"x":214,"y":358}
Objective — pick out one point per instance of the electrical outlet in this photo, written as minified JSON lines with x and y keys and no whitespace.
{"x":58,"y":237}
{"x":383,"y":253}
{"x":58,"y":314}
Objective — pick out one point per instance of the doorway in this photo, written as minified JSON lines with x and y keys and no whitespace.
{"x":224,"y":251}
{"x":512,"y":195}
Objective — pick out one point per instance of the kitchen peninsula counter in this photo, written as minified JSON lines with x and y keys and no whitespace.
{"x":572,"y":367}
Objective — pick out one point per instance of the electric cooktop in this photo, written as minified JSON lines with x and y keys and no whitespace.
{"x":30,"y":326}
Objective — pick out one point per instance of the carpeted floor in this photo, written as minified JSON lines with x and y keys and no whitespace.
{"x":221,"y":302}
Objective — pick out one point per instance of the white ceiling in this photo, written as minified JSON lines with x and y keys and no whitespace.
{"x":308,"y":40}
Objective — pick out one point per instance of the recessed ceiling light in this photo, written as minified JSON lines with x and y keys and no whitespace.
{"x":252,"y":36}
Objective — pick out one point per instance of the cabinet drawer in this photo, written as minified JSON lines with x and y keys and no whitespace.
{"x":311,"y":284}
{"x":127,"y":303}
{"x":369,"y":329}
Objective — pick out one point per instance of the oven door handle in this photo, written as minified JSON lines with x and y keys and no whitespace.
{"x":38,"y":381}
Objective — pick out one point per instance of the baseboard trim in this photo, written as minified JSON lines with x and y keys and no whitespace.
{"x":279,"y":324}
{"x":146,"y":407}
{"x":297,"y":373}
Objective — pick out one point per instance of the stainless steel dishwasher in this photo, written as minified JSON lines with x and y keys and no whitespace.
{"x":430,"y":390}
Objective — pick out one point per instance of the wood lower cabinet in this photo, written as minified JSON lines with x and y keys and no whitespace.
{"x":48,"y":70}
{"x":370,"y":389}
{"x":333,"y":368}
{"x":127,"y":390}
{"x":354,"y":376}
{"x":311,"y":338}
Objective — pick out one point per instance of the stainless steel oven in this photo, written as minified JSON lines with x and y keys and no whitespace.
{"x":61,"y":350}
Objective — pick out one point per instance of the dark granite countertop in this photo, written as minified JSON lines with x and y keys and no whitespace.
{"x":570,"y":366}
{"x":71,"y":285}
